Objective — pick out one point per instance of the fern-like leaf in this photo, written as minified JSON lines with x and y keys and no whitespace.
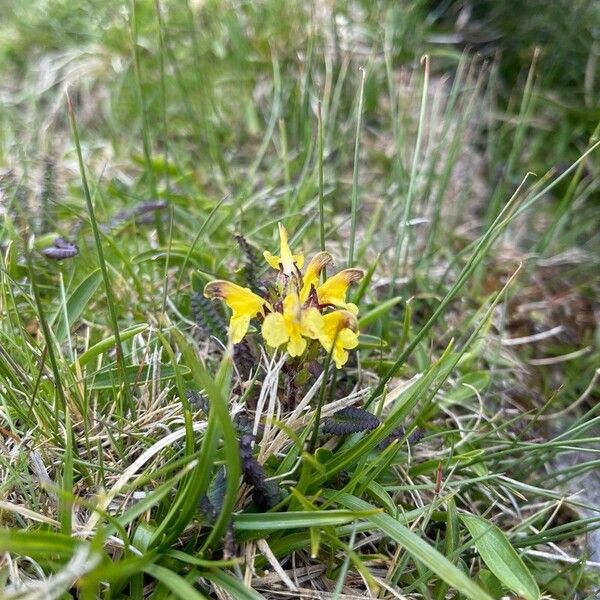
{"x":398,"y":433}
{"x":198,"y":401}
{"x":207,"y":318}
{"x":142,"y":213}
{"x":212,"y":502}
{"x":48,"y":194}
{"x":244,"y":358}
{"x":265,"y":494}
{"x":350,"y":420}
{"x":61,"y":249}
{"x":251,"y":264}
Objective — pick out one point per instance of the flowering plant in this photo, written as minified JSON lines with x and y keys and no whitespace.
{"x":300,"y":308}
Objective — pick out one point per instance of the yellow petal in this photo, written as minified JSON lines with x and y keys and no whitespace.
{"x":351,"y":307}
{"x":340,"y":356}
{"x":347,"y":338}
{"x":288,"y":263}
{"x":312,"y":273}
{"x":296,"y":345}
{"x":298,"y":260}
{"x":292,"y":306}
{"x":274,"y":330}
{"x":272,"y":260}
{"x":334,"y":290}
{"x":238,"y":327}
{"x":244,"y":304}
{"x":241,"y":300}
{"x":312,"y":323}
{"x":336,"y":321}
{"x":339,"y":333}
{"x":292,"y":314}
{"x":286,"y":253}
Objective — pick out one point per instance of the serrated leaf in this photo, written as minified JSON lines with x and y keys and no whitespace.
{"x":399,"y":433}
{"x":351,"y":419}
{"x":212,"y":502}
{"x":500,"y":557}
{"x":207,"y":317}
{"x":60,"y":250}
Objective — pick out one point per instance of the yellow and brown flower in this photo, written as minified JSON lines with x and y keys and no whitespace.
{"x":310,"y":278}
{"x":303,"y":310}
{"x":243,"y":302}
{"x":339,"y":334}
{"x":289,"y":264}
{"x":334,"y":290}
{"x":292,"y":326}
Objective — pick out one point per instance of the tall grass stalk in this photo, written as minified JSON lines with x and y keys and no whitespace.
{"x":128,"y":405}
{"x":355,"y":193}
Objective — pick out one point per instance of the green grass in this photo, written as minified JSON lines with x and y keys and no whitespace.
{"x":466,"y":185}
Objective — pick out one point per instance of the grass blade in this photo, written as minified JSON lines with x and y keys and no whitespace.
{"x":232,"y":585}
{"x":294,"y":520}
{"x":107,"y":285}
{"x":180,"y":587}
{"x":76,"y":303}
{"x":354,"y":209}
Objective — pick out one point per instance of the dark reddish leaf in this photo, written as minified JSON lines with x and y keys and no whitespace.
{"x":61,"y":249}
{"x":350,"y":420}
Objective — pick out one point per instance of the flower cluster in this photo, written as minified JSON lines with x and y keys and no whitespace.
{"x":300,"y":309}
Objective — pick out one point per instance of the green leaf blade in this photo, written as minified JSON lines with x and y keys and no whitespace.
{"x":77,"y":302}
{"x":418,"y":549}
{"x":500,"y":557}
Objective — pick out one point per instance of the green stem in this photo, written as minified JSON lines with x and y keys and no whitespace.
{"x":403,"y":242}
{"x":355,"y":169}
{"x":101,"y":260}
{"x":321,"y":198}
{"x":145,"y":126}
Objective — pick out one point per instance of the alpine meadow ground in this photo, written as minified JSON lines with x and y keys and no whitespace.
{"x":299,"y":299}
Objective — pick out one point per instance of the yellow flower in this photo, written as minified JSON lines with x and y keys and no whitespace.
{"x":288,"y":263}
{"x":340,"y":333}
{"x":312,"y":273}
{"x":300,"y":308}
{"x":292,"y":326}
{"x":244,"y":305}
{"x":334,"y":290}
